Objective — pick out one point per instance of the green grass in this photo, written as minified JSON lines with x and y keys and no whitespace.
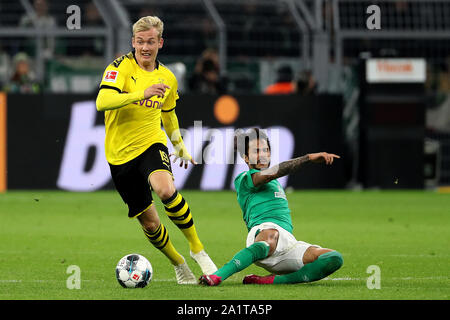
{"x":405,"y":233}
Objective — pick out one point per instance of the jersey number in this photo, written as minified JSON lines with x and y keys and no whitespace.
{"x":164,"y":156}
{"x":118,"y":61}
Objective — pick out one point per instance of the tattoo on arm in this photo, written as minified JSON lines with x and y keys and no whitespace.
{"x":288,"y":167}
{"x":281,"y":170}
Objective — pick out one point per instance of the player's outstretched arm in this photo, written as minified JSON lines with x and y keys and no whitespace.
{"x":290,"y":166}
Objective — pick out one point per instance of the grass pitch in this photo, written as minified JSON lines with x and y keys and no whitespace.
{"x":404,"y":233}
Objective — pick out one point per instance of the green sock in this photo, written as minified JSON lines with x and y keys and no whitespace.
{"x":325,"y":265}
{"x":244,"y":258}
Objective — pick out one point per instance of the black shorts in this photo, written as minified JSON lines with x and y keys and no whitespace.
{"x":131,"y":178}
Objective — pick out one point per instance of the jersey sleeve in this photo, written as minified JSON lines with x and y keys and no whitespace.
{"x":114,"y":76}
{"x":244,"y":181}
{"x":171,"y":100}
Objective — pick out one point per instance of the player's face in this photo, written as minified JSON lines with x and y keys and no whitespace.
{"x":147,"y":44}
{"x":258,"y":154}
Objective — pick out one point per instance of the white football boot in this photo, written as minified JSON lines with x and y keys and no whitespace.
{"x":184,"y":274}
{"x":204,"y":261}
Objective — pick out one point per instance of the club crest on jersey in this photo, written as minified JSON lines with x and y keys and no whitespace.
{"x":111,"y":76}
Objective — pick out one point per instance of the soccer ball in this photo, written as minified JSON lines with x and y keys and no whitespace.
{"x":134,"y":271}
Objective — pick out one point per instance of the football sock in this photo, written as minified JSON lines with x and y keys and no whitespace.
{"x":178,"y":211}
{"x":160,"y":239}
{"x":244,"y":258}
{"x":326,"y":264}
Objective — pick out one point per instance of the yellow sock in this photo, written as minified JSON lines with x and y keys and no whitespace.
{"x":160,"y":239}
{"x":178,"y":211}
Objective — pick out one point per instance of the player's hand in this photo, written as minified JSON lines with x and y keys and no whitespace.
{"x":184,"y":156}
{"x":322,"y":157}
{"x":158,"y":89}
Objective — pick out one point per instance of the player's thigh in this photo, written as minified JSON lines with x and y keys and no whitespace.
{"x":312,"y":253}
{"x":293,"y":259}
{"x":162,"y":184}
{"x":154,"y":165}
{"x":270,"y":236}
{"x":132,"y":187}
{"x":286,"y":257}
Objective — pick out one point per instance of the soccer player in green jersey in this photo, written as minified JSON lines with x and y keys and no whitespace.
{"x":270,"y":242}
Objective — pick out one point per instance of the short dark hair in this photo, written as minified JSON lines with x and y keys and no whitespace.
{"x":242,"y":139}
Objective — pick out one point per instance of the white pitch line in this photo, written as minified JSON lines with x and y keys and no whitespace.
{"x":388,"y":278}
{"x":44,"y":281}
{"x":344,"y":279}
{"x":174,"y":280}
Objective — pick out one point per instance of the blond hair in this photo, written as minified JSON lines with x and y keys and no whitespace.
{"x":148,"y":22}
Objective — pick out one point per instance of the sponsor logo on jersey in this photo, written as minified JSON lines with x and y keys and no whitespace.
{"x":149,"y":103}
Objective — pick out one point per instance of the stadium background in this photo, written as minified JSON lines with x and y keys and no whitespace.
{"x":391,"y":135}
{"x":323,"y":44}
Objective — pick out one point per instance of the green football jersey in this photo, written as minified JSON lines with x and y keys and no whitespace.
{"x":266,"y":203}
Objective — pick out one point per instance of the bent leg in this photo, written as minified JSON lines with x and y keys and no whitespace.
{"x":264,"y":245}
{"x":243,"y":259}
{"x":158,"y":235}
{"x":176,"y":207}
{"x":318,"y":264}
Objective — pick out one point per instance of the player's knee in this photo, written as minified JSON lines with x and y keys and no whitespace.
{"x":165,"y":193}
{"x":272,"y":245}
{"x":336,"y":258}
{"x":270,"y":236}
{"x":313,"y":253}
{"x":260,"y":250}
{"x":149,"y":220}
{"x":150,"y":226}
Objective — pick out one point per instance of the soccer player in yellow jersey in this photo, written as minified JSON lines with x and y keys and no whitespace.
{"x":136,"y":93}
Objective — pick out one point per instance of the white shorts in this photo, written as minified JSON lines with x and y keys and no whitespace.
{"x":288,"y":255}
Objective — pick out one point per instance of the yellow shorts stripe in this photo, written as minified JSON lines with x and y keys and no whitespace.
{"x":137,"y":215}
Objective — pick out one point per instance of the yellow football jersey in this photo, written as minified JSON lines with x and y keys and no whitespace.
{"x":130,"y":130}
